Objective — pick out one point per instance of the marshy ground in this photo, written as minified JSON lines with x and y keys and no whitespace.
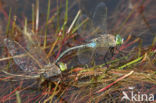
{"x":52,"y":29}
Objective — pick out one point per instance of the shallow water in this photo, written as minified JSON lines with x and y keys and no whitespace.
{"x":138,"y":25}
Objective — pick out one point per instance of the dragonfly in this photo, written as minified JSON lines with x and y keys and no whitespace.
{"x":33,"y":61}
{"x":99,"y":41}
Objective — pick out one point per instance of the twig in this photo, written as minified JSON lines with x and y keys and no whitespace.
{"x":103,"y":89}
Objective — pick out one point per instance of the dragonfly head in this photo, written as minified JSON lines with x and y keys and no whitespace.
{"x":62,"y":66}
{"x":119,"y":40}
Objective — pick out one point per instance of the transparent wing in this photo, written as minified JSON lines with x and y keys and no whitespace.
{"x":94,"y":28}
{"x":86,"y":27}
{"x":22,"y":57}
{"x":39,"y":55}
{"x":31,"y":58}
{"x":85,"y":55}
{"x":33,"y":46}
{"x":100,"y":18}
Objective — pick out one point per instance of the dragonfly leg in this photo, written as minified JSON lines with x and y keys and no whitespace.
{"x":105,"y":60}
{"x":111,"y":49}
{"x":106,"y":63}
{"x":121,"y":53}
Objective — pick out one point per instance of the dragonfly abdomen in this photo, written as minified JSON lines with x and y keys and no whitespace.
{"x":68,"y":50}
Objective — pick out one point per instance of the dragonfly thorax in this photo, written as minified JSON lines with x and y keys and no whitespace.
{"x":107,"y":40}
{"x":51,"y":70}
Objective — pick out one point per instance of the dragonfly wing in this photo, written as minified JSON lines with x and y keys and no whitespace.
{"x":33,"y":46}
{"x":86,"y":27}
{"x":85,"y":30}
{"x":100,"y":22}
{"x":21,"y":57}
{"x":85,"y":55}
{"x":95,"y":27}
{"x":100,"y":18}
